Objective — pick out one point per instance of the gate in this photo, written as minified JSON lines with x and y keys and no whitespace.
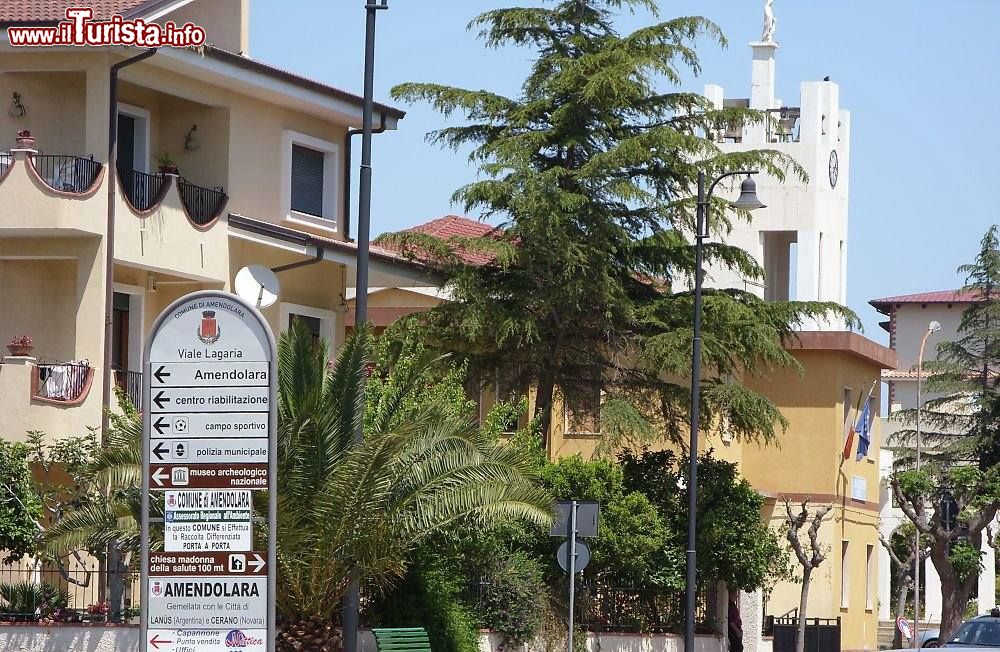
{"x":822,"y":634}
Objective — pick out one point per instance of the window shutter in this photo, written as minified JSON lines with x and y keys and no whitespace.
{"x":307,"y":180}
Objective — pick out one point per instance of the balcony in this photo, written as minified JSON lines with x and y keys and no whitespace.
{"x":64,"y":173}
{"x":63,"y":383}
{"x":145,"y":192}
{"x":203,"y":205}
{"x":129,"y":383}
{"x":142,"y":190}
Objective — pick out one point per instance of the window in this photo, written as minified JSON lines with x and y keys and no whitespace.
{"x":307,"y":181}
{"x":869,"y":576}
{"x":583,"y":409}
{"x":317,"y":320}
{"x":845,"y":576}
{"x":309,"y":187}
{"x":848,"y":400}
{"x":505,"y":390}
{"x":859,"y":488}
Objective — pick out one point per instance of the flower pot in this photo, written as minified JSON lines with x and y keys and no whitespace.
{"x":26,"y":142}
{"x":20,"y":350}
{"x":169,"y":169}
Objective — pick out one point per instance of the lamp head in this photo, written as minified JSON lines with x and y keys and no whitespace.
{"x":934,"y":326}
{"x":748,"y":200}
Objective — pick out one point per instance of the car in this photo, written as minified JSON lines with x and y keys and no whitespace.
{"x":974,"y":634}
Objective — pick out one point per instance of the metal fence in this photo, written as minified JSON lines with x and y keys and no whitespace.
{"x":202,"y":204}
{"x":6,"y":160}
{"x":822,"y":634}
{"x":64,"y":173}
{"x":62,"y":595}
{"x":130,"y":383}
{"x":143,"y":190}
{"x":65,"y":381}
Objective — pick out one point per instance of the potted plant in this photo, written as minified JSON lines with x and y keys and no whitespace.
{"x":166,"y":163}
{"x":25,"y":140}
{"x":20,"y":345}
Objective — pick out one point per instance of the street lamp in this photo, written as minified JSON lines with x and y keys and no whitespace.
{"x":932,"y":327}
{"x":747,"y":201}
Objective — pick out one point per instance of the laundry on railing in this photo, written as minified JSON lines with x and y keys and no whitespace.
{"x":63,"y":382}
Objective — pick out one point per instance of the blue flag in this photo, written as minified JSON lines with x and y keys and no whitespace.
{"x":864,"y":429}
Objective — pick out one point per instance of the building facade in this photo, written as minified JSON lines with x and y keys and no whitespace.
{"x":908,"y":319}
{"x":260,"y":176}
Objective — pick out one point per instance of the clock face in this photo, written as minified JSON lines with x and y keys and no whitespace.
{"x":834,"y":168}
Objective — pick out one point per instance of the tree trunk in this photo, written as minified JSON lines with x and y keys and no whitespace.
{"x":955,"y":592}
{"x":800,"y":637}
{"x":543,"y":404}
{"x":903,"y":584}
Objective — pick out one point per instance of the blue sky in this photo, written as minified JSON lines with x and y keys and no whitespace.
{"x":916,"y":75}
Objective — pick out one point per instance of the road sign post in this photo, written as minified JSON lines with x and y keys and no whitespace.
{"x":574,"y":518}
{"x":209,"y":442}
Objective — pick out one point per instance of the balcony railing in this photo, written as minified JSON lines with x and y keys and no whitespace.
{"x":6,"y":160}
{"x":203,"y":205}
{"x":62,"y":383}
{"x":72,"y":174}
{"x":130,"y":384}
{"x":143,"y":190}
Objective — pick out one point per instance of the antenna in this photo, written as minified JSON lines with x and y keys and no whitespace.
{"x":258,"y":285}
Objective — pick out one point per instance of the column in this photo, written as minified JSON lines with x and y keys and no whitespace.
{"x":987,"y":579}
{"x":931,"y":584}
{"x":752,"y":613}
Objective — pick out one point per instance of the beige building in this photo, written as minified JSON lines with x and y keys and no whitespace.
{"x":262,"y":176}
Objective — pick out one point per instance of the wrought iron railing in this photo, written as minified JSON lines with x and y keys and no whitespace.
{"x":143,"y":190}
{"x":73,"y":174}
{"x":64,"y":595}
{"x":63,"y":382}
{"x":6,"y":160}
{"x":203,"y":205}
{"x":130,"y":383}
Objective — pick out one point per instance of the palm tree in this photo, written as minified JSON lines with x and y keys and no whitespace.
{"x":342,"y":505}
{"x":365,"y":506}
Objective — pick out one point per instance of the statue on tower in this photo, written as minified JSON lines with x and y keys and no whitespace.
{"x":770,"y":24}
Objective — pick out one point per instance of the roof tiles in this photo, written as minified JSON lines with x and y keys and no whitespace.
{"x":48,"y":11}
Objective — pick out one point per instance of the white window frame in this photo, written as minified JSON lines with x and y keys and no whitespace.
{"x":330,"y":221}
{"x":142,"y":155}
{"x":136,"y":308}
{"x":325,"y":317}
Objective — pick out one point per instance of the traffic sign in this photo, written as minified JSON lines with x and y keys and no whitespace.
{"x":198,"y":564}
{"x":587,"y":514}
{"x":208,"y":476}
{"x":209,"y":451}
{"x":209,"y":424}
{"x":582,"y":556}
{"x":210,"y":374}
{"x":206,"y":640}
{"x":209,"y":441}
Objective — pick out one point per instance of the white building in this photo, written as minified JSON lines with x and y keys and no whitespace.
{"x":909,"y":317}
{"x":801,"y":237}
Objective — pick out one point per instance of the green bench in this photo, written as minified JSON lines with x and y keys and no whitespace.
{"x":402,"y":639}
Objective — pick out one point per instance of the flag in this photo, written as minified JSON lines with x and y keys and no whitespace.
{"x":864,"y":427}
{"x":864,"y":430}
{"x":849,"y":431}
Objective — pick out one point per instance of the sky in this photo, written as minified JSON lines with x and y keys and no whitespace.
{"x":918,"y":76}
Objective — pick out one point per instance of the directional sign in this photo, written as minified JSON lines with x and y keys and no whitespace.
{"x":209,"y":441}
{"x":207,"y":520}
{"x":208,"y":476}
{"x":209,"y":424}
{"x":209,"y":451}
{"x":197,"y":564}
{"x":211,"y":374}
{"x":206,"y":640}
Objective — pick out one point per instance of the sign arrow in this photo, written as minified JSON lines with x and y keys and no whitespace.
{"x":156,"y":641}
{"x":257,"y":562}
{"x":159,"y":476}
{"x":160,"y":450}
{"x":160,"y":401}
{"x":161,"y":425}
{"x":160,"y":374}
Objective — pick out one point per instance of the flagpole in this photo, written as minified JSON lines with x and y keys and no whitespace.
{"x":849,"y":431}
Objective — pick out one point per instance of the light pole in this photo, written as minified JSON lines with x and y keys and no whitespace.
{"x":748,"y":201}
{"x":932,"y":327}
{"x":352,"y":600}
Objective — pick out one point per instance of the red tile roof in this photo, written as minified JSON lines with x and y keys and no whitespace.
{"x":454,"y":226}
{"x":49,"y":11}
{"x":943,"y":296}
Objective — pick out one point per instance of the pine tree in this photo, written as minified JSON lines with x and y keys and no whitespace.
{"x":592,"y":171}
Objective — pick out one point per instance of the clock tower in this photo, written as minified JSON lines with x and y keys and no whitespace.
{"x":800,"y":239}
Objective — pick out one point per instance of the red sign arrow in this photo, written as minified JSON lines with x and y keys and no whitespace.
{"x":156,"y":641}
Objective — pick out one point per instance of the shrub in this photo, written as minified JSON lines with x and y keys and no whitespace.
{"x":32,"y":598}
{"x":511,"y":598}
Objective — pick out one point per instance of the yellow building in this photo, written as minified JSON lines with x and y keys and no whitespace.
{"x":807,"y":463}
{"x":262,"y":156}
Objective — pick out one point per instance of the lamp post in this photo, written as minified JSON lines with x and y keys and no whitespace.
{"x":748,"y":201}
{"x":932,"y":327}
{"x":352,"y":599}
